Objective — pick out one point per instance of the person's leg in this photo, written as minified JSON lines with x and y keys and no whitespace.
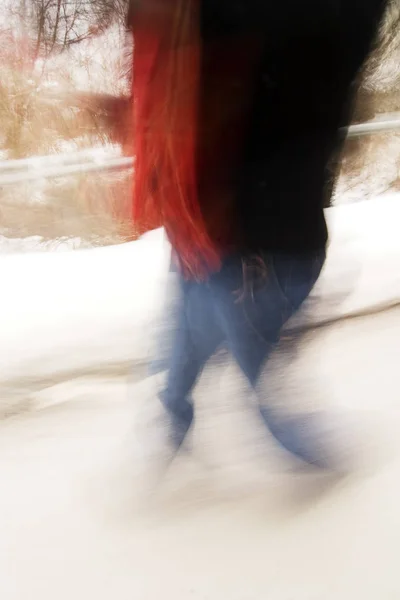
{"x":196,"y":339}
{"x":251,"y":309}
{"x":252,"y":327}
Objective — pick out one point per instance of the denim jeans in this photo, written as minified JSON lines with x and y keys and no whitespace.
{"x":244,"y":306}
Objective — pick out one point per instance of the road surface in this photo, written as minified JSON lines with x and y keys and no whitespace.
{"x":72,"y":525}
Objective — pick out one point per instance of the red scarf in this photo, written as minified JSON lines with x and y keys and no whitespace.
{"x":165,"y":96}
{"x":192,"y":102}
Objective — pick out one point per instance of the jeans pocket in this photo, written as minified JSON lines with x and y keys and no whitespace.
{"x":295,"y":277}
{"x":268,"y":308}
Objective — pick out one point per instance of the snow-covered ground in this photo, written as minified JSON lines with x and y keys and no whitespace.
{"x":71,"y":525}
{"x":68,"y":312}
{"x":232,"y":522}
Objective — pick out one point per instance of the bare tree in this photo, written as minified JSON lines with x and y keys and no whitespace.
{"x":55,"y":25}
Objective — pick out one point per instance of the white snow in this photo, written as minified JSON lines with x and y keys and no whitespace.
{"x":71,"y":526}
{"x":71,"y":311}
{"x":69,"y":475}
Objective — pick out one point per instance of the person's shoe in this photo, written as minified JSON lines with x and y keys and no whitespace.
{"x":316,"y":439}
{"x":176,"y":431}
{"x":177,"y":424}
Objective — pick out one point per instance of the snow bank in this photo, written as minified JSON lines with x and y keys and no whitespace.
{"x":362,"y":272}
{"x":67,"y":312}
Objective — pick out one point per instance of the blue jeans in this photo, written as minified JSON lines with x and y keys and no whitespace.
{"x":245,"y":307}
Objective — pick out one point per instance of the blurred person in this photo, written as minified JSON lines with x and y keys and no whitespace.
{"x":238,"y":106}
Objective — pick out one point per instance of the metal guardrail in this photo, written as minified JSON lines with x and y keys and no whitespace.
{"x":87,"y":154}
{"x":373,"y":127}
{"x":13,"y":172}
{"x":30,"y":173}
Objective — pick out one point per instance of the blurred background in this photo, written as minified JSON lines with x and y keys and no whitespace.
{"x":65,"y":88}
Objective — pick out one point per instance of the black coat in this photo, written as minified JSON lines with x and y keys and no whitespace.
{"x":309,"y":55}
